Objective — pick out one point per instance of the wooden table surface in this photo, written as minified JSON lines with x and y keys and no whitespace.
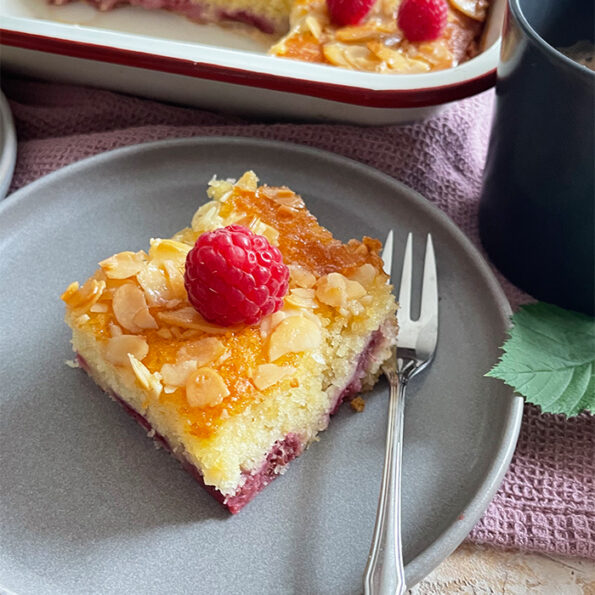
{"x":480,"y":570}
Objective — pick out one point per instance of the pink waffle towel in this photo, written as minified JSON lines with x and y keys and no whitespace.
{"x":547,"y":500}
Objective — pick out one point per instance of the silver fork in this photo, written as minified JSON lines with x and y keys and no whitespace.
{"x":416,"y":344}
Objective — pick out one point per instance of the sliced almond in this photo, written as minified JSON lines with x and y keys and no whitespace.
{"x":155,"y":284}
{"x":314,"y":27}
{"x":257,"y":226}
{"x":218,"y":189}
{"x":123,"y":264}
{"x":270,"y":233}
{"x":99,"y":308}
{"x":202,"y":351}
{"x":118,"y":347}
{"x":365,"y":274}
{"x":148,"y":381}
{"x":175,"y":277}
{"x":248,"y":181}
{"x":164,"y":333}
{"x":177,"y":374}
{"x":332,"y":290}
{"x":475,"y":9}
{"x":188,"y":317}
{"x":82,"y":298}
{"x":395,"y":60}
{"x":293,"y":334}
{"x":268,"y":323}
{"x":301,"y":298}
{"x":350,"y":56}
{"x":354,"y":289}
{"x":207,"y":218}
{"x":162,"y":251}
{"x":130,"y":309}
{"x":364,"y":32}
{"x":205,"y":388}
{"x":268,"y":374}
{"x":301,"y":276}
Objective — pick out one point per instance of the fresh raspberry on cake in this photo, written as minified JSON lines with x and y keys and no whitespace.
{"x":348,"y":12}
{"x":235,"y":404}
{"x":422,"y":20}
{"x":235,"y":276}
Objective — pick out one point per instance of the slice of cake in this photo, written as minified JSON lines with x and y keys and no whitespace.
{"x":235,"y":402}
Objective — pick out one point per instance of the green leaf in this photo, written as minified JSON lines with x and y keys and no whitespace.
{"x":549,"y":358}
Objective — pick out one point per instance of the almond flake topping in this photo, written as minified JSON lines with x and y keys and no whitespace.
{"x":82,"y":298}
{"x":162,"y":251}
{"x":248,"y":181}
{"x":294,"y":334}
{"x":119,"y":347}
{"x":268,"y":374}
{"x":123,"y":264}
{"x":175,"y":375}
{"x":155,"y":284}
{"x":301,"y":276}
{"x":301,"y":298}
{"x":365,"y":275}
{"x":130,"y":309}
{"x":205,"y":388}
{"x":148,"y":381}
{"x":191,"y":356}
{"x":336,"y":290}
{"x":188,"y":317}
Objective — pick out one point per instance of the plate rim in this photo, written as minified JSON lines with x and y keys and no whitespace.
{"x":454,"y":534}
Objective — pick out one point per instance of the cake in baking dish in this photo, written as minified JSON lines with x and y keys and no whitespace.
{"x":236,"y":401}
{"x":365,"y":35}
{"x":269,"y":16}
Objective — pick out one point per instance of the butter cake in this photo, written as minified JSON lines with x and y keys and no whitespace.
{"x":374,"y":41}
{"x":235,"y":404}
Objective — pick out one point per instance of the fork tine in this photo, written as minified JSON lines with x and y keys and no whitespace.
{"x":405,"y":286}
{"x":387,"y":254}
{"x":429,"y":289}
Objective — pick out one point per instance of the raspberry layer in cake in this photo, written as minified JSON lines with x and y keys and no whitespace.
{"x":236,"y":403}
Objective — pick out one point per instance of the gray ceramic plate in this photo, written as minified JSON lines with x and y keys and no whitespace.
{"x":88,"y":504}
{"x":8,"y":146}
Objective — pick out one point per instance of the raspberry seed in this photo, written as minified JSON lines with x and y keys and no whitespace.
{"x":234,"y":276}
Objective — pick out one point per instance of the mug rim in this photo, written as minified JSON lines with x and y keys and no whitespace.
{"x":515,"y":7}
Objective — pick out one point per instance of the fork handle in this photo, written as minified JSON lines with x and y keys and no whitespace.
{"x":385,"y":573}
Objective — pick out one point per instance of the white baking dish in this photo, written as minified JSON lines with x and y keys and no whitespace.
{"x":165,"y":56}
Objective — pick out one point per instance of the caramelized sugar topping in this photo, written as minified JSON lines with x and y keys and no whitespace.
{"x":302,"y":240}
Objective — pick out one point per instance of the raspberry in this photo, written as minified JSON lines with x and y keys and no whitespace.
{"x":348,"y":12}
{"x":234,"y":276}
{"x":422,"y":20}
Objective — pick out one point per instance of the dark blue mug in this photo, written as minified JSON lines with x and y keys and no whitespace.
{"x":537,"y":207}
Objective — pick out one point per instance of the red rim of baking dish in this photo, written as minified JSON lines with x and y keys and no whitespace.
{"x":389,"y":98}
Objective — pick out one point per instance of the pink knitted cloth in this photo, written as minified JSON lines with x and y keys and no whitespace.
{"x":547,"y":500}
